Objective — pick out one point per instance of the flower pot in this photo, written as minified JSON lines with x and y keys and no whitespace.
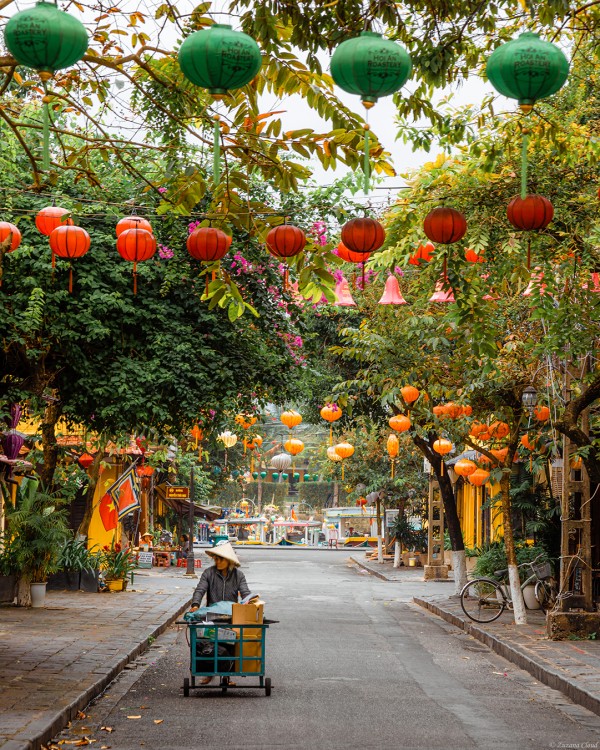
{"x":64,"y":580}
{"x":89,"y":581}
{"x":116,"y":584}
{"x":38,"y":594}
{"x":529,"y":596}
{"x":7,"y":588}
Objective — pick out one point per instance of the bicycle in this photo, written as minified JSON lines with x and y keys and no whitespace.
{"x":485,"y":599}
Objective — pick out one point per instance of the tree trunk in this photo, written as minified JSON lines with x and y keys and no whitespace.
{"x":94,"y":474}
{"x":24,"y":591}
{"x":52,"y":414}
{"x":397,"y":554}
{"x":516,"y":594}
{"x":459,"y":566}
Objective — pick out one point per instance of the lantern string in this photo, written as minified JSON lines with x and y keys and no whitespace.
{"x":217,"y":152}
{"x":524,"y":164}
{"x":366,"y":165}
{"x":134,"y":277}
{"x":45,"y":127}
{"x":70,"y":279}
{"x":528,"y":253}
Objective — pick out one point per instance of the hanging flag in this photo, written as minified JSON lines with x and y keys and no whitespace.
{"x":108,"y":512}
{"x":124,"y":493}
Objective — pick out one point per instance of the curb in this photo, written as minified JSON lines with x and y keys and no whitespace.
{"x":375,"y":573}
{"x":515,"y":655}
{"x":46,"y":729}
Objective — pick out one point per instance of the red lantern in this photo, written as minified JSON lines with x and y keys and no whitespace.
{"x":85,"y":460}
{"x":136,"y":245}
{"x":7,"y":228}
{"x":472,"y":257}
{"x":285,"y":241}
{"x":208,"y":244}
{"x":445,"y":225}
{"x":363,"y":235}
{"x":69,"y":242}
{"x":530,"y":213}
{"x":144,"y":470}
{"x":423,"y":254}
{"x":351,"y":257}
{"x":479,"y":477}
{"x":133,"y":222}
{"x":48,"y":219}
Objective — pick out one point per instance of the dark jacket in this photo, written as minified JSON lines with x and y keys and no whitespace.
{"x":219,"y":588}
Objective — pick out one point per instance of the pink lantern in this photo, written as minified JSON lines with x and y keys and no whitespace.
{"x":443,"y":291}
{"x":343,"y":297}
{"x":392,"y":294}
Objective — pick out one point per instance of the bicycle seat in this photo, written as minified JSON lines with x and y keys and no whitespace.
{"x":500,"y":573}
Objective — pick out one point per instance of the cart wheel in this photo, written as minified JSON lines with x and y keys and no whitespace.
{"x":267,"y":686}
{"x":186,"y":687}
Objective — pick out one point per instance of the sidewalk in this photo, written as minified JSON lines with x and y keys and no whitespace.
{"x":53,"y":661}
{"x":572,"y":667}
{"x":387,"y":572}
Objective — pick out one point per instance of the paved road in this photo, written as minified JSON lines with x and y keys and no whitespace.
{"x":354,"y":665}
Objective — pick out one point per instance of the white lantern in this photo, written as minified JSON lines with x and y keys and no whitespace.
{"x":227,"y":438}
{"x":281,"y":461}
{"x":332,"y":454}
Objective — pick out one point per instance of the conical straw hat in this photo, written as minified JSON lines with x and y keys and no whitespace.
{"x":226,"y":551}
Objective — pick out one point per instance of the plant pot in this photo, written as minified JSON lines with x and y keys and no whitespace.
{"x":88,"y":581}
{"x":7,"y":588}
{"x":38,"y":594}
{"x":116,"y":585}
{"x":529,"y":596}
{"x":64,"y":580}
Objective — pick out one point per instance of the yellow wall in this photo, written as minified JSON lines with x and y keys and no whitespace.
{"x":97,"y":533}
{"x":469,"y":501}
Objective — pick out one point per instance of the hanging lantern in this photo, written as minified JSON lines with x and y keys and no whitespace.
{"x":69,"y":242}
{"x":331,"y":413}
{"x":285,"y":241}
{"x":464,"y":467}
{"x":442,"y":446}
{"x":443,"y":291}
{"x":46,"y":39}
{"x":361,"y":502}
{"x":198,"y":434}
{"x":344,"y":450}
{"x":208,"y":244}
{"x":136,"y":245}
{"x":228,"y":438}
{"x":219,"y":59}
{"x":393,"y":448}
{"x":255,"y":475}
{"x":257,"y":440}
{"x":445,"y":225}
{"x":294,"y":446}
{"x":263,"y":475}
{"x":275,"y":476}
{"x":363,"y":235}
{"x":498,"y":453}
{"x":530,"y":212}
{"x":527,"y":69}
{"x":343,"y":297}
{"x":499,"y":430}
{"x":333,"y":455}
{"x":48,"y":219}
{"x":479,"y":477}
{"x":245,"y":420}
{"x":409,"y":393}
{"x":423,"y":254}
{"x":480,"y":431}
{"x":472,"y":257}
{"x":452,"y":410}
{"x":132,"y":222}
{"x":392,"y":294}
{"x":7,"y":229}
{"x":281,"y":461}
{"x":290,"y":419}
{"x":399,"y":423}
{"x":144,"y":470}
{"x":541,"y":413}
{"x":349,"y":256}
{"x":85,"y":460}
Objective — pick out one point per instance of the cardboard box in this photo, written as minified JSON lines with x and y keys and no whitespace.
{"x":248,"y":614}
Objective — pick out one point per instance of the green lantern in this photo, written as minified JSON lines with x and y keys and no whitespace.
{"x":219,"y":59}
{"x":296,"y":476}
{"x":285,"y":476}
{"x":275,"y":476}
{"x":47,"y":39}
{"x":255,"y":475}
{"x":527,"y":69}
{"x":307,"y":477}
{"x":263,"y":474}
{"x":235,"y":473}
{"x":217,"y":470}
{"x":370,"y":66}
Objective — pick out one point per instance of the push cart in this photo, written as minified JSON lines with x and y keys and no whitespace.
{"x":223,"y":650}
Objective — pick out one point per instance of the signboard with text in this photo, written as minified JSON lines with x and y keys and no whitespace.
{"x":177,"y":493}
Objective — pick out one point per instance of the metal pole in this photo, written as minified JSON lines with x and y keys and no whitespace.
{"x":259,"y":488}
{"x":379,"y":539}
{"x":190,"y":562}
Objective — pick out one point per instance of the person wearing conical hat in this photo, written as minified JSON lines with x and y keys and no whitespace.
{"x":223,"y":581}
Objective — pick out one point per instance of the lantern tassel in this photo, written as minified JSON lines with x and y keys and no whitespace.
{"x":217,"y":153}
{"x":134,"y":277}
{"x":342,"y":471}
{"x":70,"y":279}
{"x":46,"y":137}
{"x":206,"y":285}
{"x":392,"y":468}
{"x":363,"y":276}
{"x":528,"y":253}
{"x":366,"y":164}
{"x":442,"y":468}
{"x":524,"y":164}
{"x":330,"y":434}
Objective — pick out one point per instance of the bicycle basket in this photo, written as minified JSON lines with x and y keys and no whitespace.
{"x":542,"y":570}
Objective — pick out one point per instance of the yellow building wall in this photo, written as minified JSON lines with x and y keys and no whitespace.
{"x":98,"y":536}
{"x":469,"y":502}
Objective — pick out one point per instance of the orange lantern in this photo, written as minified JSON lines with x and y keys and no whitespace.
{"x":344,"y":450}
{"x":453,"y":410}
{"x":69,"y":242}
{"x":331,"y":413}
{"x":541,"y":413}
{"x":393,"y":448}
{"x":245,"y":420}
{"x":479,"y":477}
{"x":498,"y":453}
{"x":472,"y":257}
{"x":399,"y":422}
{"x":197,"y":434}
{"x":257,"y":440}
{"x":132,"y":222}
{"x":442,"y":446}
{"x":6,"y":229}
{"x":499,"y":430}
{"x":136,"y":245}
{"x":294,"y":446}
{"x":467,"y":410}
{"x":85,"y":460}
{"x":291,"y":419}
{"x":409,"y":393}
{"x":440,"y":411}
{"x":48,"y":219}
{"x":529,"y":442}
{"x":464,"y":467}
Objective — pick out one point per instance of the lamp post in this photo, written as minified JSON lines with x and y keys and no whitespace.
{"x":529,"y":399}
{"x":190,"y":569}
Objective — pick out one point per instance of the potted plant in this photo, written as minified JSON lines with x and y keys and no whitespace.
{"x":77,"y":564}
{"x":8,"y":569}
{"x":38,"y":527}
{"x":116,"y":564}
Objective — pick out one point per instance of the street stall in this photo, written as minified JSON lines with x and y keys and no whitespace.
{"x":353,"y":527}
{"x":297,"y":532}
{"x":242,"y":530}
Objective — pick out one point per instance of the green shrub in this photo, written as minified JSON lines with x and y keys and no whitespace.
{"x":492,"y":557}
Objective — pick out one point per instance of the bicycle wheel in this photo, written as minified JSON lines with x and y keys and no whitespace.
{"x":545,"y":593}
{"x":482,"y":600}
